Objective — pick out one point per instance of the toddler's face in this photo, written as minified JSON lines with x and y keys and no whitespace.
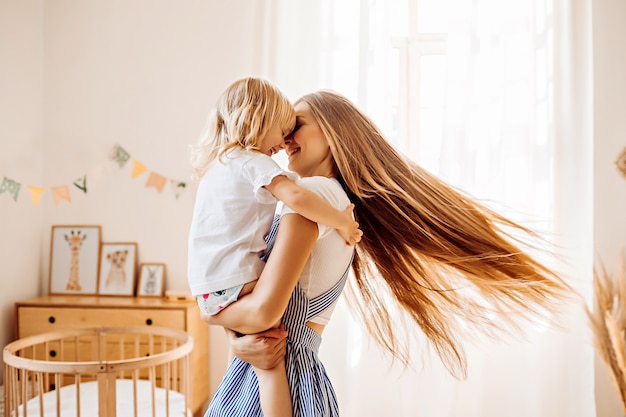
{"x":273,"y":141}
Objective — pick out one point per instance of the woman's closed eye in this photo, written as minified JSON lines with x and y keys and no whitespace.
{"x":289,"y":137}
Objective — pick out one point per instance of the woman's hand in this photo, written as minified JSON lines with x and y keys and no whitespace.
{"x":262,"y":350}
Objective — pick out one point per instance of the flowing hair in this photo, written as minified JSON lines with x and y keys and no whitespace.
{"x":243,"y":115}
{"x":448,"y":263}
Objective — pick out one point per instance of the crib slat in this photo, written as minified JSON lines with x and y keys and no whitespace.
{"x":77,"y":383}
{"x":166,"y":385}
{"x":9,"y":392}
{"x":103,"y":405}
{"x":15,"y":390}
{"x":111,"y":394}
{"x":23,"y":375}
{"x":122,"y":356}
{"x":57,"y":388}
{"x":186,"y":378}
{"x":8,"y":382}
{"x":135,"y":376}
{"x":152,"y":385}
{"x":40,"y":392}
{"x":176,"y":383}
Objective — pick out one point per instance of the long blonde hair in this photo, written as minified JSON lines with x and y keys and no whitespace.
{"x":446,"y":261}
{"x":244,"y":113}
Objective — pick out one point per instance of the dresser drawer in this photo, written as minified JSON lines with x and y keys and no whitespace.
{"x":35,"y":320}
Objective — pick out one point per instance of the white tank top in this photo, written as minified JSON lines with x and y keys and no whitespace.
{"x":330,"y":256}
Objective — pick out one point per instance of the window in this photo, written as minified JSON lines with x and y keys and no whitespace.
{"x":461,"y":87}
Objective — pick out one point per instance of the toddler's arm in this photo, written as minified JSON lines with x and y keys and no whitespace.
{"x":315,"y":208}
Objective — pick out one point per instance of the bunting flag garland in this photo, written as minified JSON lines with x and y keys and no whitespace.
{"x":178,"y":187}
{"x":36,"y":193}
{"x":138,"y":169}
{"x":120,"y":156}
{"x":11,"y":187}
{"x":155,"y":180}
{"x":81,"y":184}
{"x":62,"y":192}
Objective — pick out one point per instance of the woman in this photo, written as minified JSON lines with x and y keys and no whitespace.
{"x":448,"y":263}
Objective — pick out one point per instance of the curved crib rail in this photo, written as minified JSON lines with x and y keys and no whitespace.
{"x":103,"y":354}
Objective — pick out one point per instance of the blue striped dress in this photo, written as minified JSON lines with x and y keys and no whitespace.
{"x":312,"y":393}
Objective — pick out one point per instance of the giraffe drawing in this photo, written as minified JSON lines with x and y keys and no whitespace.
{"x":75,"y":241}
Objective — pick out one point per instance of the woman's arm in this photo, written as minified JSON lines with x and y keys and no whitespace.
{"x":264,"y":307}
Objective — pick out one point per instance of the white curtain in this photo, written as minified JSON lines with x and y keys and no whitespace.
{"x":515,"y":130}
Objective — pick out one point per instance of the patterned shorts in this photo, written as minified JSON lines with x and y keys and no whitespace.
{"x":215,"y":302}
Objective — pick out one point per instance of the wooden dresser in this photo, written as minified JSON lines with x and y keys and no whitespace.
{"x":58,"y":312}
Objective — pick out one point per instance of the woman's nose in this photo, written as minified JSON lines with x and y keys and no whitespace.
{"x":288,"y":139}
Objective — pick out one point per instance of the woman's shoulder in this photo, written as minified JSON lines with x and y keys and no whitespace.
{"x":328,"y":188}
{"x":321,"y":183}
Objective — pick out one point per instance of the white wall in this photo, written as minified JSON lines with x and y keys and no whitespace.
{"x":609,"y":29}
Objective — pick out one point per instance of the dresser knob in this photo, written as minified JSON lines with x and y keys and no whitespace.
{"x":53,"y":353}
{"x":149,"y":322}
{"x":51,"y":319}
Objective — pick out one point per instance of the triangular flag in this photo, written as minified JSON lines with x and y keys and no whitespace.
{"x":81,"y":184}
{"x":155,"y":180}
{"x":120,"y":155}
{"x":178,"y":187}
{"x":62,"y":192}
{"x":138,"y":169}
{"x":11,"y":187}
{"x":35,"y":193}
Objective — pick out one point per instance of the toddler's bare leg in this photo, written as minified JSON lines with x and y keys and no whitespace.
{"x":274,"y":391}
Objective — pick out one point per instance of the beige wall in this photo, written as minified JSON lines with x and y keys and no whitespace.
{"x":21,"y":154}
{"x":79,"y":76}
{"x":609,"y":44}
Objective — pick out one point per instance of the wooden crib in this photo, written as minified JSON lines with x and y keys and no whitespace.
{"x":104,"y":371}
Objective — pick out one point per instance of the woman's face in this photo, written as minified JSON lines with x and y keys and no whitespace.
{"x":307,"y":148}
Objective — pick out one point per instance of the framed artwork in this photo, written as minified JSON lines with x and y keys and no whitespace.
{"x":118,"y":266}
{"x":74,"y":257}
{"x":151,"y":280}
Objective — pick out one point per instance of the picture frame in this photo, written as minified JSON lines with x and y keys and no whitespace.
{"x":74,"y":259}
{"x":118,"y":267}
{"x":151,"y":280}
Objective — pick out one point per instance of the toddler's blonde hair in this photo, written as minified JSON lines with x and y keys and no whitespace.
{"x":242,"y":116}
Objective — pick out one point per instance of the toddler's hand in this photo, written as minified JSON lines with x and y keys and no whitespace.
{"x":350,"y":232}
